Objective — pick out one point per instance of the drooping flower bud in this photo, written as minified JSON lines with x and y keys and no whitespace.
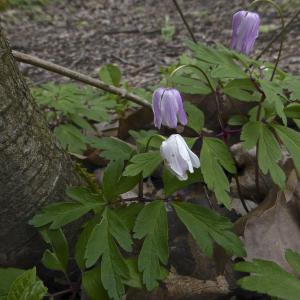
{"x":245,"y":29}
{"x":178,"y":157}
{"x":167,"y":106}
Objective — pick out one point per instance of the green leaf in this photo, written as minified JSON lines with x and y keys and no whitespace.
{"x":60,"y":247}
{"x":292,"y":111}
{"x":173,"y":184}
{"x":195,"y":117}
{"x":27,"y":287}
{"x":113,"y":271}
{"x":241,"y":89}
{"x":269,"y":152}
{"x":82,"y":241}
{"x":60,"y":214}
{"x":250,"y":134}
{"x":269,"y":155}
{"x":112,"y":148}
{"x":293,"y":259}
{"x":275,"y":96}
{"x":144,"y":163}
{"x":190,"y":85}
{"x":291,"y":140}
{"x":128,"y":213}
{"x":110,"y":225}
{"x":142,"y":137}
{"x":152,"y":225}
{"x":110,"y":74}
{"x":114,"y":183}
{"x":230,"y":70}
{"x":51,"y":262}
{"x":207,"y":227}
{"x":214,"y":157}
{"x":84,"y":195}
{"x":126,"y":184}
{"x":92,"y":285}
{"x":269,"y":278}
{"x":81,"y":122}
{"x":102,"y":245}
{"x":292,"y":84}
{"x":70,"y":138}
{"x":135,"y":279}
{"x":119,"y":230}
{"x":7,"y":277}
{"x":237,"y":120}
{"x":208,"y":54}
{"x":111,"y":178}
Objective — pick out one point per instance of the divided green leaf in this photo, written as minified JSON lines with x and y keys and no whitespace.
{"x":152,"y":226}
{"x":208,"y":227}
{"x":195,"y":117}
{"x":269,"y":278}
{"x":269,"y":152}
{"x":144,"y":163}
{"x":110,"y":74}
{"x":102,"y":244}
{"x":291,"y":140}
{"x":27,"y":287}
{"x":173,"y":184}
{"x":214,"y":157}
{"x":113,"y":148}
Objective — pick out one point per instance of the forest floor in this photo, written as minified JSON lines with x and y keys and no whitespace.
{"x":84,"y":34}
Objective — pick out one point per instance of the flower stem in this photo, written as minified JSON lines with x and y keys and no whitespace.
{"x":184,"y":21}
{"x":278,"y":35}
{"x":197,"y":68}
{"x":282,"y":35}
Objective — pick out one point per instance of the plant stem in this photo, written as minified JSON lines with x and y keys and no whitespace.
{"x":282,"y":33}
{"x":61,"y":293}
{"x":218,"y":96}
{"x":278,"y":35}
{"x":240,"y":193}
{"x":257,"y":172}
{"x":263,"y":97}
{"x":197,"y":68}
{"x":141,"y":189}
{"x":184,"y":21}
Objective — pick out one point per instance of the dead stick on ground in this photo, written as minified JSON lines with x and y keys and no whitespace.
{"x":35,"y":61}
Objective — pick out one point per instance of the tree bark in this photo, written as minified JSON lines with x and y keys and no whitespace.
{"x":34,"y":170}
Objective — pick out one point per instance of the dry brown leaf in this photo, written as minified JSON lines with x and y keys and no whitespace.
{"x":275,"y":225}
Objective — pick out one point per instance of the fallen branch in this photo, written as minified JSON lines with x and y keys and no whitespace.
{"x":38,"y":62}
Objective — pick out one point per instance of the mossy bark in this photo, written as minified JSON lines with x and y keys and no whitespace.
{"x":34,"y":170}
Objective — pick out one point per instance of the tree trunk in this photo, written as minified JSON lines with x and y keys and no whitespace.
{"x":34,"y":170}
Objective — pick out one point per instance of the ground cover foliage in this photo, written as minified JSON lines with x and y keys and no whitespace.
{"x":124,"y":242}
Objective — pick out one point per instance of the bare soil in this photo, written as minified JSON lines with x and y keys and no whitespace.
{"x":83,"y":34}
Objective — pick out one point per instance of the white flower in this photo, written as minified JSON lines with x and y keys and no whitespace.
{"x":178,"y":157}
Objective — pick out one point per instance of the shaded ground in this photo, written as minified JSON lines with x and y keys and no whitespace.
{"x":83,"y":34}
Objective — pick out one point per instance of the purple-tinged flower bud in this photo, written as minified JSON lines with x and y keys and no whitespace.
{"x":167,"y":106}
{"x":245,"y":28}
{"x":178,"y":157}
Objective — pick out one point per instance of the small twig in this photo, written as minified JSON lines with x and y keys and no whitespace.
{"x":257,"y":173}
{"x":184,"y":21}
{"x":124,"y":61}
{"x":240,"y":193}
{"x":141,"y":189}
{"x":35,"y":61}
{"x":61,"y":293}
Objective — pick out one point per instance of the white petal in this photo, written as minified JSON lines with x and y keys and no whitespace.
{"x":169,"y":151}
{"x":184,"y":152}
